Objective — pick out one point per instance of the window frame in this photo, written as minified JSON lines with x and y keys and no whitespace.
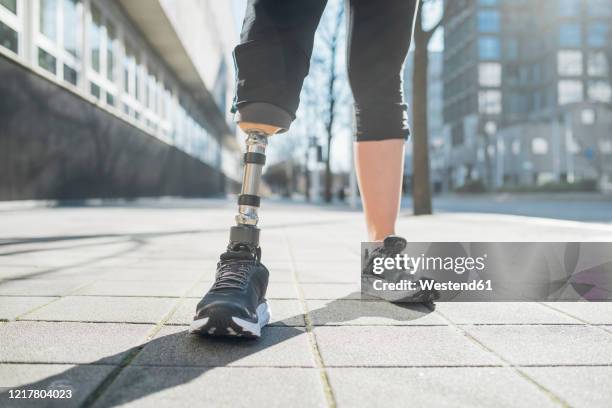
{"x":100,"y":78}
{"x":56,"y":49}
{"x":15,"y":23}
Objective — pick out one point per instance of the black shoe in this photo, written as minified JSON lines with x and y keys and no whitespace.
{"x":393,"y":245}
{"x":235,"y":305}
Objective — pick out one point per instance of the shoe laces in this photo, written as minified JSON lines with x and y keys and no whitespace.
{"x":232,"y":274}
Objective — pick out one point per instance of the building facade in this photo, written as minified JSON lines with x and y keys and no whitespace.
{"x":115,"y":99}
{"x":513,"y":66}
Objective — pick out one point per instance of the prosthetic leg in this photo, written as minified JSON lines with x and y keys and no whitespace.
{"x":246,"y":232}
{"x":236,"y":303}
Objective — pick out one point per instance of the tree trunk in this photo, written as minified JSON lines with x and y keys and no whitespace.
{"x":421,"y":194}
{"x":328,"y":173}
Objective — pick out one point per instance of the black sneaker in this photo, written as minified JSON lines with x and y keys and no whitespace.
{"x":235,"y":305}
{"x":393,"y":245}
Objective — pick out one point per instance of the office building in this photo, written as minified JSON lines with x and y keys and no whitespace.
{"x":532,"y":68}
{"x":115,"y":98}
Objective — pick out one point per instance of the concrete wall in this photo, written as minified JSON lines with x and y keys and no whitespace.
{"x":56,"y":145}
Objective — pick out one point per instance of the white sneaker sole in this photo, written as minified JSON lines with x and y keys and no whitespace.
{"x":233,"y":326}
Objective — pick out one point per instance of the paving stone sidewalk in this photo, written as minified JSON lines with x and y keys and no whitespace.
{"x":98,"y":300}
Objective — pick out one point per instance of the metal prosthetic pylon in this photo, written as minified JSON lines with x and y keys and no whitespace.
{"x":245,"y":231}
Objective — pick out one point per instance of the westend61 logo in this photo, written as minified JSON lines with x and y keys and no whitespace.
{"x":423,"y":263}
{"x":487,"y":271}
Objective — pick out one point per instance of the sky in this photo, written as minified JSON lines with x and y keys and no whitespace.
{"x":341,"y":144}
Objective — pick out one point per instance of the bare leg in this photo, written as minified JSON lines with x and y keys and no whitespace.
{"x":380,"y":167}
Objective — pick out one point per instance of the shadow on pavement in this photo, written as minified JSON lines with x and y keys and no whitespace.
{"x":177,"y":358}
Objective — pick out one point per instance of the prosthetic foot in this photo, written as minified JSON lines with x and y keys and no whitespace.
{"x":236,"y":305}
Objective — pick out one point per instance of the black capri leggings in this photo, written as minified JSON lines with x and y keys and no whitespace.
{"x":273,"y":59}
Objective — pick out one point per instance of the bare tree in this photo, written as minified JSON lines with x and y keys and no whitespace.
{"x":421,"y":190}
{"x":330,"y":36}
{"x":325,"y":97}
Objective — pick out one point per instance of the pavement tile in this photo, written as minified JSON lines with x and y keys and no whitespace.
{"x":104,"y":309}
{"x":578,"y":386}
{"x":13,"y":306}
{"x":543,"y":345}
{"x":40,"y":287}
{"x":278,"y":347}
{"x":501,"y":313}
{"x":592,"y":312}
{"x":16,"y":272}
{"x":73,"y":343}
{"x":331,"y":290}
{"x":284,"y":312}
{"x":199,"y":289}
{"x":170,"y":288}
{"x":369,"y":313}
{"x":281,"y":290}
{"x":36,"y":260}
{"x":287,"y":312}
{"x":399,"y":346}
{"x":167,"y":265}
{"x":125,"y":274}
{"x":435,"y":387}
{"x":326,"y":274}
{"x":215,"y":387}
{"x":305,"y":251}
{"x":80,"y":379}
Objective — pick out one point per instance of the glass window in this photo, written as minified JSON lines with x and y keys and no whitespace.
{"x":490,"y":74}
{"x":569,"y":91}
{"x":516,"y":147}
{"x":570,"y":35}
{"x":48,"y":19}
{"x":569,"y":8}
{"x":488,"y":48}
{"x":597,"y":34}
{"x":111,"y":46}
{"x":539,"y":146}
{"x":587,"y":116}
{"x":151,"y":102}
{"x":599,"y":8}
{"x":110,"y":99}
{"x":490,"y":102}
{"x":70,"y":75}
{"x":488,"y":21}
{"x":9,"y":38}
{"x":599,"y":91}
{"x":10,"y":5}
{"x":569,"y":62}
{"x":72,"y":22}
{"x":597,"y":64}
{"x":137,"y":77}
{"x":512,"y":48}
{"x":128,"y":69}
{"x":605,"y":147}
{"x":95,"y":38}
{"x":95,"y":90}
{"x":47,"y":61}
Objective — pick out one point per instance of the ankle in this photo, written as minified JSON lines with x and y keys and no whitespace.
{"x":379,"y":236}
